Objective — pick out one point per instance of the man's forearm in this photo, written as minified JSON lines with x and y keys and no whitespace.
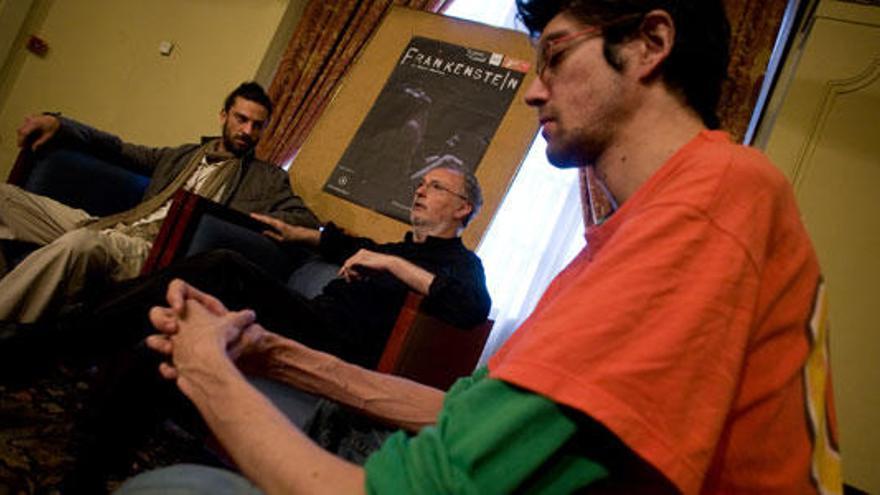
{"x":414,"y":276}
{"x":273,"y":453}
{"x":388,"y":398}
{"x":143,"y":159}
{"x":300,"y":234}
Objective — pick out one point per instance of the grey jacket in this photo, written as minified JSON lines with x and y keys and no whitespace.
{"x":259,"y":187}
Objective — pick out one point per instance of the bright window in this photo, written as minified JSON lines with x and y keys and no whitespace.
{"x":538,"y":227}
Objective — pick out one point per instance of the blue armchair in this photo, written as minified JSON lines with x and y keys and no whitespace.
{"x":78,"y":178}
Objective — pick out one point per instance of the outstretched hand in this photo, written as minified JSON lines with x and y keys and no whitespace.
{"x":284,"y":232}
{"x":39,"y":128}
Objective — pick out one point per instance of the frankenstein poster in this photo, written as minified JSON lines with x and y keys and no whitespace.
{"x":442,"y":103}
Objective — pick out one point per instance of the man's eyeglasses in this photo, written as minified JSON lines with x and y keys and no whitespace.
{"x":436,"y":186}
{"x":550,"y":51}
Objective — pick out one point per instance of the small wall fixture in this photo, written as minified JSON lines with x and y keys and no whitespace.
{"x":165,"y":48}
{"x":36,"y":45}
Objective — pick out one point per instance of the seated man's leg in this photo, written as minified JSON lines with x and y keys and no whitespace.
{"x":188,"y":479}
{"x":224,"y":274}
{"x":238,"y":284}
{"x":62,"y":268}
{"x":33,"y":218}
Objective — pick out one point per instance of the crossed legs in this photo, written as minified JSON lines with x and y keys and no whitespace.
{"x":70,"y":258}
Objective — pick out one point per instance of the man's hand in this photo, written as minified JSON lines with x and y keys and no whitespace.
{"x":179,"y":291}
{"x":364,"y":261}
{"x":200,"y":338}
{"x":284,"y":232}
{"x":39,"y":128}
{"x":166,"y":320}
{"x":414,"y":276}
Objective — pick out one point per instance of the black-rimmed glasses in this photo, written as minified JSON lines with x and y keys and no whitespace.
{"x":437,"y":186}
{"x":549,"y":51}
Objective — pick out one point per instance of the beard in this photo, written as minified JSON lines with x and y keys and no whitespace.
{"x":584,"y":144}
{"x":580,"y":152}
{"x":564,"y":157}
{"x":237,"y":144}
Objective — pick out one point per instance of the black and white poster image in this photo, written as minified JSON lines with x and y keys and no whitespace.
{"x":441,"y":104}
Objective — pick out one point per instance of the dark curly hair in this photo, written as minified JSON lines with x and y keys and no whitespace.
{"x":695,"y":68}
{"x":251,"y":91}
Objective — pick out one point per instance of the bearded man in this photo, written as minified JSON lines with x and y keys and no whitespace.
{"x":79,"y":250}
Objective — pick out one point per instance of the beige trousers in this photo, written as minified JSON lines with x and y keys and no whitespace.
{"x":70,"y":258}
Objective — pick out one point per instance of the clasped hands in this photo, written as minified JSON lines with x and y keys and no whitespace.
{"x":197,"y":332}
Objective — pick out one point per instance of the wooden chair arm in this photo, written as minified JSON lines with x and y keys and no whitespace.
{"x":429,"y":350}
{"x":180,"y":225}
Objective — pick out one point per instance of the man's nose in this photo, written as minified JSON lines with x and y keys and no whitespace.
{"x":537,"y":93}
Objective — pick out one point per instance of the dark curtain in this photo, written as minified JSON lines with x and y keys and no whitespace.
{"x":327,"y":40}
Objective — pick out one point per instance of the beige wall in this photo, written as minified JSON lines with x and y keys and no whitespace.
{"x":825,"y":140}
{"x":12,"y":15}
{"x":104,"y":66}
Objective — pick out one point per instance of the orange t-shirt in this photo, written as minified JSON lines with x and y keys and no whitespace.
{"x":693,"y":327}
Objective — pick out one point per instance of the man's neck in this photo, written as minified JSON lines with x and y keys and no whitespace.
{"x":422,"y":232}
{"x":657,"y":130}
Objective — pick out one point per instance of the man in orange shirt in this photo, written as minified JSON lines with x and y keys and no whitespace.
{"x":683,"y":351}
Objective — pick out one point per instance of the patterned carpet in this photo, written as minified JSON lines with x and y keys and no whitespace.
{"x":37,"y":444}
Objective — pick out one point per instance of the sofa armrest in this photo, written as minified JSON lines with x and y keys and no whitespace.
{"x":195,"y":224}
{"x":79,"y":179}
{"x":429,"y":350}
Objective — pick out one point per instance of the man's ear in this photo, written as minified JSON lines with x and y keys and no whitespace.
{"x":223,"y":116}
{"x":463,"y":211}
{"x":655,"y":40}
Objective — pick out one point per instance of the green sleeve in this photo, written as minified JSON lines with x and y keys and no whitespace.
{"x":490,"y":437}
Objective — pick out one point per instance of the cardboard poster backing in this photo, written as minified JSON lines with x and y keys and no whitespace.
{"x":337,"y":126}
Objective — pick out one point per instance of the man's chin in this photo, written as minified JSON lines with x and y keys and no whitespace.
{"x":562,"y":159}
{"x":416,"y":220}
{"x":237,"y":149}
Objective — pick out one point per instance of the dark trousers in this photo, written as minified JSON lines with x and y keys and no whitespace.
{"x":224,"y":274}
{"x":130,"y":398}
